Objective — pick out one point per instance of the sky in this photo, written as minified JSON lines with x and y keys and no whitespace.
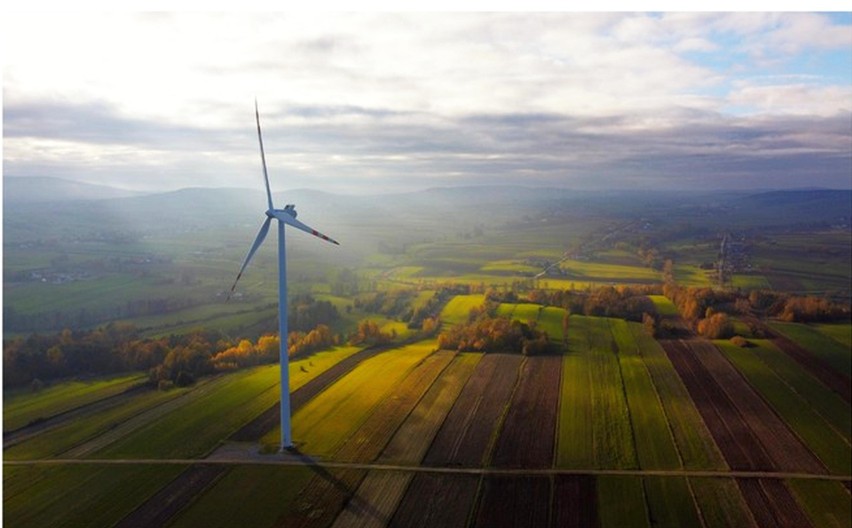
{"x":375,"y":102}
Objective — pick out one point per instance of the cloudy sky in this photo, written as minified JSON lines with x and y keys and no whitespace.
{"x":378,"y":102}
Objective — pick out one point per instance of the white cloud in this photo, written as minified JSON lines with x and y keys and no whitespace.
{"x":370,"y":95}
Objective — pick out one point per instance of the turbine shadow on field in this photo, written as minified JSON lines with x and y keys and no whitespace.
{"x":356,"y":504}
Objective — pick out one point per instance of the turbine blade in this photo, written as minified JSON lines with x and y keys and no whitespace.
{"x":262,"y":155}
{"x":264,"y":229}
{"x":288,"y":219}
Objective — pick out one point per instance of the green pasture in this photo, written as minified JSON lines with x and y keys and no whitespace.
{"x":663,"y":305}
{"x":325,"y":422}
{"x":246,"y":496}
{"x":697,"y":448}
{"x":526,"y":312}
{"x":218,"y":410}
{"x":599,"y":271}
{"x":817,"y":343}
{"x":826,"y":443}
{"x":22,"y":406}
{"x":655,"y":446}
{"x":670,"y":502}
{"x":509,"y":267}
{"x":689,"y":275}
{"x":750,"y":282}
{"x":79,"y":495}
{"x":575,"y":447}
{"x":458,"y":308}
{"x":243,"y":320}
{"x":594,"y":422}
{"x":57,"y":441}
{"x":621,"y":502}
{"x":840,"y":332}
{"x":556,"y":283}
{"x":826,"y":503}
{"x":621,"y":257}
{"x":194,"y":429}
{"x":825,"y":402}
{"x":721,"y":503}
{"x":550,"y":320}
{"x":818,"y":260}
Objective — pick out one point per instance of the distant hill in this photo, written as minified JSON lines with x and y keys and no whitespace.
{"x":801,"y":206}
{"x":47,"y":189}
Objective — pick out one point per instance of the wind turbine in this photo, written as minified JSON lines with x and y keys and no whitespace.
{"x":284,"y":216}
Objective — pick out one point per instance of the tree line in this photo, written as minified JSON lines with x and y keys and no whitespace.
{"x":485,"y":331}
{"x":173,"y":360}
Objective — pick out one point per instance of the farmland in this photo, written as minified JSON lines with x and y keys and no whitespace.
{"x":610,"y":426}
{"x":411,"y":406}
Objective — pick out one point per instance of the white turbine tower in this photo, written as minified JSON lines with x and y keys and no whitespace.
{"x":284,"y":216}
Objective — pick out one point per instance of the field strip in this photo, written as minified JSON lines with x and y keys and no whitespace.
{"x":140,"y":420}
{"x":305,"y":461}
{"x":11,"y":438}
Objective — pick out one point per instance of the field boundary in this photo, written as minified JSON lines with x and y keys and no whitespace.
{"x":290,"y":460}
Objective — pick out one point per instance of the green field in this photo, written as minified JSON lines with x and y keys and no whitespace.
{"x":695,"y":443}
{"x":22,"y":407}
{"x":325,"y":422}
{"x":750,"y":282}
{"x":825,"y":348}
{"x":197,"y":427}
{"x":75,"y":432}
{"x":601,"y":272}
{"x":655,"y":447}
{"x":594,"y":424}
{"x":622,"y":501}
{"x":830,"y":446}
{"x":457,"y":310}
{"x":840,"y":332}
{"x":233,"y":499}
{"x":78,"y":495}
{"x":663,"y":305}
{"x":826,"y":503}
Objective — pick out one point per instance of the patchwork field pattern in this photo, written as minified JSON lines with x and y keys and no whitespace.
{"x":611,"y":423}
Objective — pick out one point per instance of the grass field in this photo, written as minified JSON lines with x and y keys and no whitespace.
{"x":827,"y":349}
{"x":655,"y":447}
{"x":840,"y":332}
{"x":663,"y":305}
{"x":824,"y":441}
{"x":197,"y":427}
{"x":822,"y":400}
{"x":622,"y":502}
{"x":826,"y":503}
{"x":457,"y":310}
{"x":670,"y":502}
{"x":75,"y":432}
{"x":695,"y":443}
{"x":23,"y":406}
{"x":689,"y":275}
{"x":78,"y":495}
{"x":234,"y":499}
{"x":594,"y":422}
{"x":750,"y":282}
{"x":721,"y":503}
{"x":326,"y":421}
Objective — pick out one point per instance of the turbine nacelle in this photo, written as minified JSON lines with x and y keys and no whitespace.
{"x":289,"y":209}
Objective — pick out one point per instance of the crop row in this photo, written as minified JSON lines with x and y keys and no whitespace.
{"x":615,"y":399}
